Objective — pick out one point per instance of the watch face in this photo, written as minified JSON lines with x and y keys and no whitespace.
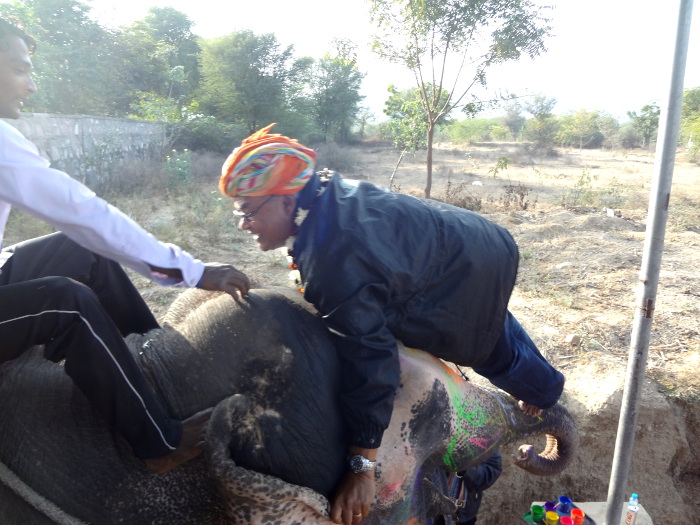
{"x":360,"y":463}
{"x":356,"y":463}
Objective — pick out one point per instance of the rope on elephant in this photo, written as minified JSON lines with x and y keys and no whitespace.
{"x":36,"y":500}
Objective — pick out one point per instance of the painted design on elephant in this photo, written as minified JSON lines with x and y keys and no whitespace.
{"x":403,"y":512}
{"x":470,"y":414}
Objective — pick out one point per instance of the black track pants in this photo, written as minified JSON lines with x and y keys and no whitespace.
{"x":79,"y":306}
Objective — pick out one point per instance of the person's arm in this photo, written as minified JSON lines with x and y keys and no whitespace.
{"x":368,"y":355}
{"x":484,"y":475}
{"x":215,"y":277}
{"x":70,"y":207}
{"x":355,"y":494}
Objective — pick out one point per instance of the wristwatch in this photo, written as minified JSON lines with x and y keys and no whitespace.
{"x":360,"y":463}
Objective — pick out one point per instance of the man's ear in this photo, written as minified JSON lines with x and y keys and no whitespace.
{"x":289,"y":203}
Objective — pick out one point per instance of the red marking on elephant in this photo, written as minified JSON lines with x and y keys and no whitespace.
{"x":479,"y":442}
{"x":390,"y":490}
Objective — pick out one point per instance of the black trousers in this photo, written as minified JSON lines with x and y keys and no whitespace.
{"x":80,"y":306}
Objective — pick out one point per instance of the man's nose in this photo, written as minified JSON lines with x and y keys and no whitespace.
{"x":31,"y":86}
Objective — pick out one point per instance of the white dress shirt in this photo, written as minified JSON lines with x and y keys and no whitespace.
{"x":27,"y":182}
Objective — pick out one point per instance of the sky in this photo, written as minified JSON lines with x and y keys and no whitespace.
{"x":605,"y":55}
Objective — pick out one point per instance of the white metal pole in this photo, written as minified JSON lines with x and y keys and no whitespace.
{"x":665,"y":155}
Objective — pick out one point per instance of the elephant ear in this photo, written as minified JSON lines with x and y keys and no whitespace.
{"x":250,"y":497}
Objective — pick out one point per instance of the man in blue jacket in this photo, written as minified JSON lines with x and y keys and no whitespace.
{"x":380,"y":267}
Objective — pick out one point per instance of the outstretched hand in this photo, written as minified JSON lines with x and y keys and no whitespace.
{"x":353,"y":498}
{"x":225,"y":278}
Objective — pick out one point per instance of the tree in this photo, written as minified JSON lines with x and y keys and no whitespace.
{"x":646,"y":123}
{"x":542,"y":128}
{"x":580,"y":128}
{"x":172,"y":30}
{"x":336,"y":91}
{"x":438,"y":39}
{"x":472,"y":130}
{"x":408,"y":126}
{"x":690,"y":120}
{"x":160,"y":58}
{"x":74,"y":67}
{"x":365,"y":117}
{"x":144,"y":66}
{"x":514,"y":118}
{"x":246,"y":78}
{"x":610,"y":129}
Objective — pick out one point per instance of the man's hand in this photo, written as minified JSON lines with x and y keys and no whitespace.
{"x":353,"y":498}
{"x":225,"y":278}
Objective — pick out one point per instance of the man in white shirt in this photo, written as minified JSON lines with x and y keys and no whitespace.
{"x":68,"y":291}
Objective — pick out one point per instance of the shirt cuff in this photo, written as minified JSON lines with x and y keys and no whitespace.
{"x":370,"y":437}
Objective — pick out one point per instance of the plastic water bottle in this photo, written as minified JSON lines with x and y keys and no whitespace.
{"x":632,"y":508}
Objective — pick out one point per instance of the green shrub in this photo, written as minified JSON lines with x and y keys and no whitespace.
{"x":209,"y":135}
{"x":178,"y":169}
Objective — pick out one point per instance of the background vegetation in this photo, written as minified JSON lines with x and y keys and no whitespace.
{"x":214,"y":92}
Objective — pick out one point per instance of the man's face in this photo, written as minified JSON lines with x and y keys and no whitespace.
{"x":269,"y":218}
{"x":16,"y":83}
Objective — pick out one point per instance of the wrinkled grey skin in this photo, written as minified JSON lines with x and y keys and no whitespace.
{"x":283,"y":429}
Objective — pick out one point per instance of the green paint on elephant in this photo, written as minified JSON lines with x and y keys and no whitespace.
{"x":469,"y":414}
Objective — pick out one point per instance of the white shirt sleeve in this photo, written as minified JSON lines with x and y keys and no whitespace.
{"x":27,"y":182}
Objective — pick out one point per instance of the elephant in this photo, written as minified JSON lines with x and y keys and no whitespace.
{"x":276,"y":443}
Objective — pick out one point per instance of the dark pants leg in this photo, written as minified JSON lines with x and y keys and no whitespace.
{"x":517,"y":367}
{"x":57,"y":255}
{"x":70,"y":320}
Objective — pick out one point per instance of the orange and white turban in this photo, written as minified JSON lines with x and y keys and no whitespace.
{"x":267,"y":164}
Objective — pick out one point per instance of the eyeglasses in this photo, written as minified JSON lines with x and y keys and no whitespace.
{"x":248,"y":216}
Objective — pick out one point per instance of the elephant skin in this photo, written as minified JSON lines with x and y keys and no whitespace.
{"x":276,"y":443}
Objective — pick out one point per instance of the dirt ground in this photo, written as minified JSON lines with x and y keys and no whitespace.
{"x":579,"y":218}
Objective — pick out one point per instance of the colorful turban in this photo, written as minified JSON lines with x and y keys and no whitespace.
{"x":267,"y":164}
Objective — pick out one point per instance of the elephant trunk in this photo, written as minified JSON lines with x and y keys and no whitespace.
{"x":562,"y":440}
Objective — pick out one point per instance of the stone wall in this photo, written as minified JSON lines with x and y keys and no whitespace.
{"x":92,"y":149}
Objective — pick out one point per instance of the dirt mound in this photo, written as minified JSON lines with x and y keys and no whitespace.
{"x":664,"y":465}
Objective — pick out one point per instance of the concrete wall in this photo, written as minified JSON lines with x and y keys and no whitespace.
{"x":92,"y":149}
